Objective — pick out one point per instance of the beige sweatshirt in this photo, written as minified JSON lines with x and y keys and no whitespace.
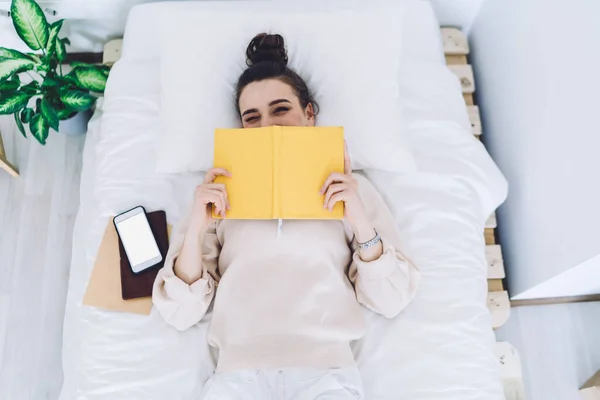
{"x":287,"y":300}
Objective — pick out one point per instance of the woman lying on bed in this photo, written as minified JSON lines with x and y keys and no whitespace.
{"x":288,"y":306}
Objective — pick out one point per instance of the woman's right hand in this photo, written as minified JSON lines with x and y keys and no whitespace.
{"x":210,"y":194}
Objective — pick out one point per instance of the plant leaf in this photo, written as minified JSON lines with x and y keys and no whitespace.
{"x":31,"y":88}
{"x":38,"y":103}
{"x":77,"y":100}
{"x":27,"y":114}
{"x":20,"y":125}
{"x":15,"y":78}
{"x":39,"y":128}
{"x":66,"y":41}
{"x":61,"y":50}
{"x":75,"y":64}
{"x":42,"y":68}
{"x":13,"y":54}
{"x":9,"y":67}
{"x":65,"y":113}
{"x":90,"y":78}
{"x":9,"y":86}
{"x":52,"y":35}
{"x":13,"y":102}
{"x":69,"y":79}
{"x":30,"y":23}
{"x":49,"y":114}
{"x":104,"y":68}
{"x":35,"y":57}
{"x":50,"y":82}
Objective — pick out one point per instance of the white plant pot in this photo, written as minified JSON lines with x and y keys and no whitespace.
{"x":76,"y":125}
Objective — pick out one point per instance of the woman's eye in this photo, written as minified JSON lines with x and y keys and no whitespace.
{"x":280,"y":110}
{"x":251,"y":120}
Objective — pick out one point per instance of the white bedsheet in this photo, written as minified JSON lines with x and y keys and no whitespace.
{"x":440,"y":347}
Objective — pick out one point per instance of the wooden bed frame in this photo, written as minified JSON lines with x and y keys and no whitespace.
{"x":456,"y":50}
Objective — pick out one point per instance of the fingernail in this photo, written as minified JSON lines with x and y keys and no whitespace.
{"x":324,"y":205}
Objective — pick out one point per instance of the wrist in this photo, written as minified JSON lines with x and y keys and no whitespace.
{"x":198,"y":224}
{"x":363,"y":231}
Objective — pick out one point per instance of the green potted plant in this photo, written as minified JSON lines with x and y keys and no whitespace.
{"x":47,"y":95}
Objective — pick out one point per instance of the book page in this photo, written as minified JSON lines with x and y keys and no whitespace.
{"x":307,"y":155}
{"x":248,"y":155}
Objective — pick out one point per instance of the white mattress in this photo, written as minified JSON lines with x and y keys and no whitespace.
{"x":440,"y":347}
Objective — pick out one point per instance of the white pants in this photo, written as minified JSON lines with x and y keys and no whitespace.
{"x":285,"y":384}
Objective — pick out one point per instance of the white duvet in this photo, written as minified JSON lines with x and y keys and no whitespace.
{"x":440,"y":347}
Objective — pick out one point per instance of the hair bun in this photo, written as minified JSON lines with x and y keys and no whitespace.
{"x":266,"y":47}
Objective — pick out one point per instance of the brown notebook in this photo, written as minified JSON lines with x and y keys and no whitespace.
{"x":134,"y":286}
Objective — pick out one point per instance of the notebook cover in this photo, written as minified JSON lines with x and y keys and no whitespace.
{"x":104,"y":287}
{"x":135,"y":286}
{"x":277,"y":171}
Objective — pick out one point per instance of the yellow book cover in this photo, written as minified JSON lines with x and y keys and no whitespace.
{"x":277,"y":171}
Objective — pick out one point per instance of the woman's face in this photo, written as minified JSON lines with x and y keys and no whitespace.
{"x":273,"y":102}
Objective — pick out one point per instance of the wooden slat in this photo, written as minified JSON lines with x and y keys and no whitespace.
{"x":88,"y":57}
{"x":493,"y":255}
{"x":4,"y":164}
{"x":490,"y":237}
{"x":465,"y":76}
{"x":499,"y":306}
{"x":475,"y":119}
{"x":455,"y":42}
{"x":469,"y":101}
{"x":495,"y":285}
{"x":456,"y":59}
{"x":510,"y":371}
{"x":112,"y":51}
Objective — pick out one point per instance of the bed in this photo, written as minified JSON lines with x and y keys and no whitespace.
{"x":440,"y":347}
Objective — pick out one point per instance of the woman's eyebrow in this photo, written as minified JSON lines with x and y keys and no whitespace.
{"x":279,"y":101}
{"x":250,"y":111}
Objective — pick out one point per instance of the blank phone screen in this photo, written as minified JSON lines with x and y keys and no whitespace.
{"x":138,"y":240}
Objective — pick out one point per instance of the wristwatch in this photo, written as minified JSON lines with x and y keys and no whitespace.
{"x":370,"y":243}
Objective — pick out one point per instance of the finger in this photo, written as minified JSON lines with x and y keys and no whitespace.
{"x":219,"y":207}
{"x":333,"y":177}
{"x":215,"y":198}
{"x":333,"y":189}
{"x":339,"y":196}
{"x":347,"y":163}
{"x":221,"y":188}
{"x":211,"y":174}
{"x":222,"y":196}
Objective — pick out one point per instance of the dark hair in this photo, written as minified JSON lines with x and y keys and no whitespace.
{"x":267,"y":58}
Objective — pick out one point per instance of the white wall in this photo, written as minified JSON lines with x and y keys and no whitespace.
{"x":537,"y":65}
{"x":457,"y":13}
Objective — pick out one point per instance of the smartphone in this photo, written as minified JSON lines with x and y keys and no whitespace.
{"x":138,"y":240}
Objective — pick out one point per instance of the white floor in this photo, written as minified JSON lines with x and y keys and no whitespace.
{"x":37,"y":212}
{"x":559,"y":347}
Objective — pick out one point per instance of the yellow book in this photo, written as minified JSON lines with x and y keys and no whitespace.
{"x":277,"y":171}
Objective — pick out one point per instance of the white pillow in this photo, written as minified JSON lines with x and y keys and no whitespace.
{"x":348,"y":52}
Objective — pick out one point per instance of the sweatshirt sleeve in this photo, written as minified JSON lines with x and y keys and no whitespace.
{"x":386,"y":285}
{"x":180,"y":304}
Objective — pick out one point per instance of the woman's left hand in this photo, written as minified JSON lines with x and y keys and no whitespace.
{"x":344,"y":187}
